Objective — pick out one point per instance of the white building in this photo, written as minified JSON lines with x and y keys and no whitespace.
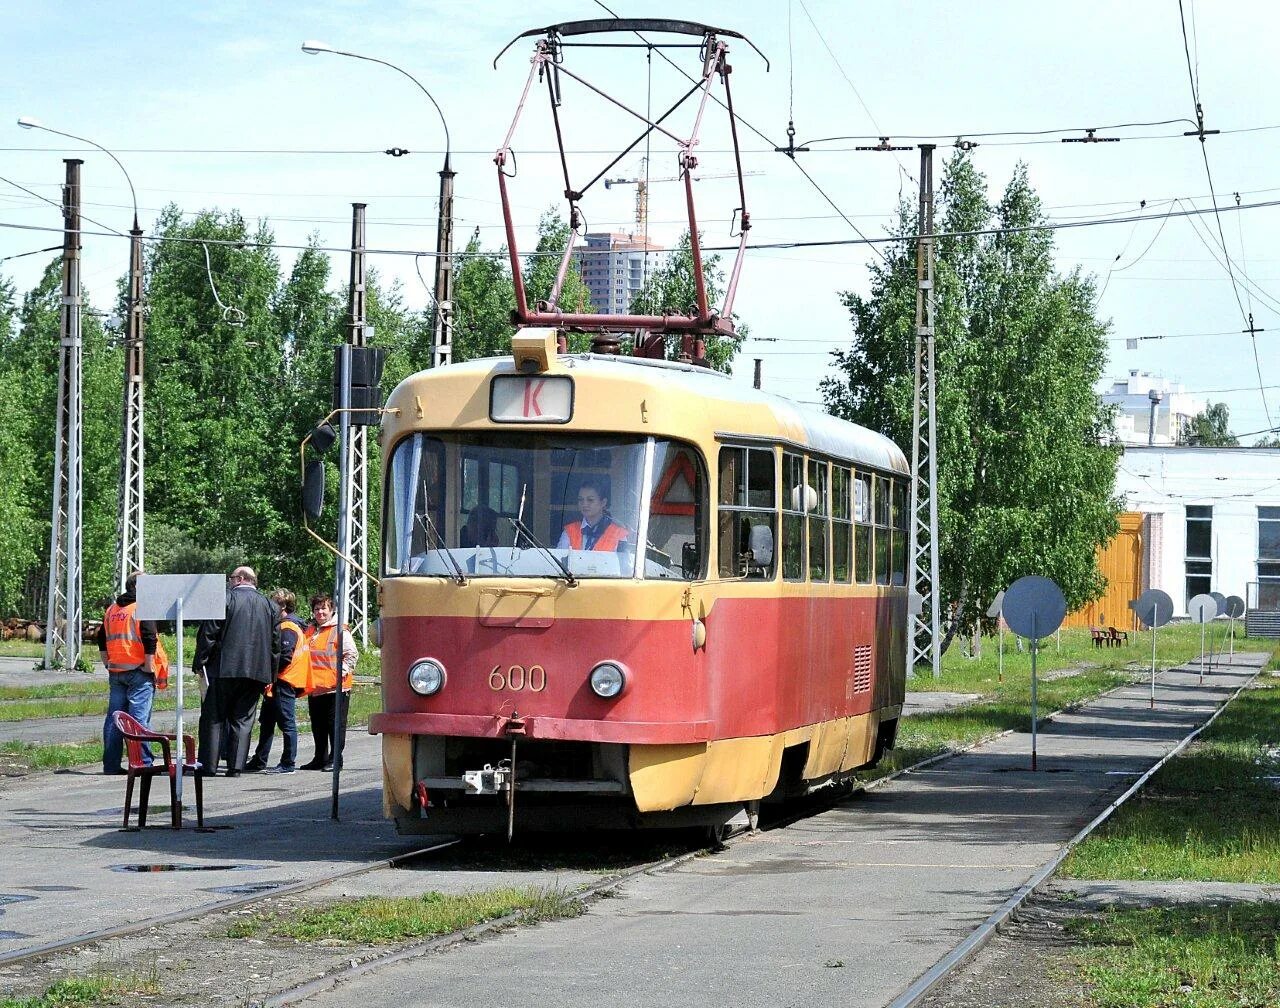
{"x":613,"y":268}
{"x":1133,"y":396}
{"x":1210,"y":520}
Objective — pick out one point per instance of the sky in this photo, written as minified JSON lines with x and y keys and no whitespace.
{"x":215,"y":105}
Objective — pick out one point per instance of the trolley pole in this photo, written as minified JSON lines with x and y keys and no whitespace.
{"x":129,"y":548}
{"x":924,"y":633}
{"x":442,"y":351}
{"x":355,"y":586}
{"x":64,"y":628}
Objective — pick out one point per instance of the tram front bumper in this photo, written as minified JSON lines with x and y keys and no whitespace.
{"x":538,"y":727}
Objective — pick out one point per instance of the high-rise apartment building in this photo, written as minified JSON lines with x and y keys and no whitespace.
{"x":613,"y":267}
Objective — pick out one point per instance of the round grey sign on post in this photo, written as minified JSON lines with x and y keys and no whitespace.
{"x":1153,"y":607}
{"x":1202,"y":608}
{"x":1034,"y":607}
{"x":1235,"y":606}
{"x":1222,"y":602}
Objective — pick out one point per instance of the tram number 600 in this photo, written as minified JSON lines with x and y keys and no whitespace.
{"x":517,"y":678}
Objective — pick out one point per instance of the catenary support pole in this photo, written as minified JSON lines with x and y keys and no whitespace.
{"x":442,"y":353}
{"x":923,"y":636}
{"x":130,"y":522}
{"x":344,"y":550}
{"x":356,"y":585}
{"x":63,"y":630}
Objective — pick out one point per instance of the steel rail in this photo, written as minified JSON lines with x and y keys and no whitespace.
{"x":122,"y":930}
{"x":931,"y":978}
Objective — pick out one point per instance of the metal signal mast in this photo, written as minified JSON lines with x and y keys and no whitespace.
{"x":355,"y":586}
{"x":63,"y":630}
{"x":923,"y":636}
{"x":129,"y":547}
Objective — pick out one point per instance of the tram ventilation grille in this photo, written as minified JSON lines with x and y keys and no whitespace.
{"x":862,"y":668}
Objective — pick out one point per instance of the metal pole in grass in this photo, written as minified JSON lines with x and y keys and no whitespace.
{"x":1154,"y":608}
{"x":1034,"y":606}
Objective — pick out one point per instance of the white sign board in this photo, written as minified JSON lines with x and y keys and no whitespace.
{"x":531,"y":399}
{"x":204,"y":596}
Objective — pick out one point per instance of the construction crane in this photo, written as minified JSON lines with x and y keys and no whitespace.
{"x":642,"y":192}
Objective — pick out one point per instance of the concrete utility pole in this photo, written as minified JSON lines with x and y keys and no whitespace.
{"x":1155,"y":397}
{"x":63,"y":631}
{"x":924,"y":638}
{"x":757,"y":379}
{"x":353,"y":584}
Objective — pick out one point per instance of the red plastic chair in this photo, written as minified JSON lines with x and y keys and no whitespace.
{"x":135,"y":734}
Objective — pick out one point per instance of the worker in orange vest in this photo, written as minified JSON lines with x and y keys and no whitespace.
{"x":597,"y":530}
{"x":293,"y":679}
{"x":324,"y":691}
{"x":127,"y":647}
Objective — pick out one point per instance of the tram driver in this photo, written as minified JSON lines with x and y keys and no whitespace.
{"x":597,"y":530}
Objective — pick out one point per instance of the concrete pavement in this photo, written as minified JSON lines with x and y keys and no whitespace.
{"x":846,"y":907}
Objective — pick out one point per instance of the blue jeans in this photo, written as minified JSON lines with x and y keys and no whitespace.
{"x":281,"y":708}
{"x":131,"y":692}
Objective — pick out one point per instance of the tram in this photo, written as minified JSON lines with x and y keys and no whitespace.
{"x":735,"y":633}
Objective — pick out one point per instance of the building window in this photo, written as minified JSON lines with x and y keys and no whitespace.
{"x":1269,"y":558}
{"x":1199,"y":549}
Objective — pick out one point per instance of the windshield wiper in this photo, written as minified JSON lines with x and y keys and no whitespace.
{"x":428,"y":526}
{"x":523,"y":529}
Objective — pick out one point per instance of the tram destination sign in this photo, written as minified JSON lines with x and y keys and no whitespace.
{"x":531,"y":399}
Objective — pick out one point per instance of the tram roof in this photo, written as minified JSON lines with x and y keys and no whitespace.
{"x":823,"y":432}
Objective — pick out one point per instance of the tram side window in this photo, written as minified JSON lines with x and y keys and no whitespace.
{"x":884,"y":530}
{"x":677,"y":510}
{"x":794,"y":505}
{"x":841,"y":528}
{"x":864,"y":569}
{"x":748,"y":500}
{"x":818,"y":523}
{"x":900,"y":519}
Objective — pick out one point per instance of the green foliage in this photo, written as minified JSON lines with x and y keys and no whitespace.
{"x":1210,"y":429}
{"x":1024,"y":482}
{"x":483,"y":297}
{"x":671,"y":288}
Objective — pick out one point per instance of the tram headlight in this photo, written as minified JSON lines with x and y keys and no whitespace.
{"x":608,"y":679}
{"x":426,"y":677}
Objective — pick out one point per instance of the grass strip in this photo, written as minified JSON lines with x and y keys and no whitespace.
{"x":381,"y":920}
{"x":23,"y":757}
{"x":1200,"y":956}
{"x":100,"y":988}
{"x":1213,"y":813}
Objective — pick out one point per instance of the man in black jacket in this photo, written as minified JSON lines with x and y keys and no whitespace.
{"x":237,"y":655}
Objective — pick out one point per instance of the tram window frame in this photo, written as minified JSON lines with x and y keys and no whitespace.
{"x":900,"y":528}
{"x":863,"y":528}
{"x":841,"y":524}
{"x":746,"y":499}
{"x":794,"y":538}
{"x":819,"y":524}
{"x":884,"y":530}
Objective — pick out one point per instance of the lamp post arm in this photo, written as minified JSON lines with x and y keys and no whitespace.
{"x":132,"y":192}
{"x":372,"y":59}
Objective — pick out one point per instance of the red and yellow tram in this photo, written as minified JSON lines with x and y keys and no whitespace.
{"x":739,"y":635}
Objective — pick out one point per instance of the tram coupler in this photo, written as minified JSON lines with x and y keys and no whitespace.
{"x":491,"y":780}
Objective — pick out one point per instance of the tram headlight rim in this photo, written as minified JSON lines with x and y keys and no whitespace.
{"x":424,"y":666}
{"x":604,"y":668}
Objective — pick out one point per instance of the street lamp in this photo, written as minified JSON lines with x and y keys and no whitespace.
{"x":443,"y":337}
{"x":129,"y":548}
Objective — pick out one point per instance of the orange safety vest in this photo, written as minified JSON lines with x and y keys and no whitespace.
{"x":324,"y":663}
{"x":124,"y":643}
{"x":298,"y":672}
{"x":608,"y":541}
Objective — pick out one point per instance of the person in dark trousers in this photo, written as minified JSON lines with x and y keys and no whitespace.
{"x":325,"y":691}
{"x":279,"y":707}
{"x":127,"y":647}
{"x":238,"y":656}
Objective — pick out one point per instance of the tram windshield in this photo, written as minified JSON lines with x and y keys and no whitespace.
{"x":506,"y":504}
